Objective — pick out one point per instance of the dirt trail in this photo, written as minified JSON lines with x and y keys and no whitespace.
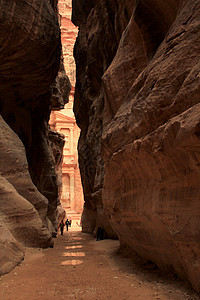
{"x":78,"y":267}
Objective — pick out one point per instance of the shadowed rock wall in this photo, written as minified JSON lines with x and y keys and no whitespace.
{"x":30,"y":51}
{"x":57,"y":142}
{"x":137,"y":104}
{"x":23,"y":213}
{"x":29,"y":68}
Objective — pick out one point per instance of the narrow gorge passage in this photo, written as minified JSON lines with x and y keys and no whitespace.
{"x":79,"y":267}
{"x":130,"y":85}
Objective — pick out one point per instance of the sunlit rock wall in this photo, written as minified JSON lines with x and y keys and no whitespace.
{"x":30,"y":50}
{"x":137,"y":104}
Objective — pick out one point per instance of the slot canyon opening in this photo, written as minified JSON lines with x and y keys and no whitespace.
{"x":154,"y":19}
{"x":63,"y":121}
{"x":143,"y":191}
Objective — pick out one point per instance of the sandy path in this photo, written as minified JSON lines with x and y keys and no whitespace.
{"x":78,"y":267}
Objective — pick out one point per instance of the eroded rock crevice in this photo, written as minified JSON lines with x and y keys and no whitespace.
{"x":137,"y":104}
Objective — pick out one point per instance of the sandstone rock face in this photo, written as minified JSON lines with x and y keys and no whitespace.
{"x":57,"y":141}
{"x":30,"y":50}
{"x":61,"y":89}
{"x":23,"y":209}
{"x":22,"y":219}
{"x":14,"y":169}
{"x":137,"y":103}
{"x":30,"y":60}
{"x":11,"y":253}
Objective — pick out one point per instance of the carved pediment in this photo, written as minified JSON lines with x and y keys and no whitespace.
{"x":59,"y":117}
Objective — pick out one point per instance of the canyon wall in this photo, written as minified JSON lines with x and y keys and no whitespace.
{"x":30,"y":51}
{"x":137,"y":104}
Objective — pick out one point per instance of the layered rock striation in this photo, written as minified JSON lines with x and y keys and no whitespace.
{"x":30,"y":51}
{"x":137,"y":104}
{"x":23,"y":213}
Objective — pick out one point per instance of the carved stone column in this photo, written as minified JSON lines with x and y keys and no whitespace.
{"x":72,"y":190}
{"x":71,"y":140}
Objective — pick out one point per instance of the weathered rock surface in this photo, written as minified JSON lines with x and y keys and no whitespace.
{"x":11,"y":253}
{"x":30,"y":60}
{"x":14,"y":169}
{"x":22,"y":219}
{"x":61,"y":89}
{"x":30,"y":51}
{"x":23,"y":213}
{"x":137,"y":104}
{"x":57,"y":142}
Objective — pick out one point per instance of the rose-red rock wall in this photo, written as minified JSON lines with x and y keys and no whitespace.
{"x":137,"y":104}
{"x":30,"y":50}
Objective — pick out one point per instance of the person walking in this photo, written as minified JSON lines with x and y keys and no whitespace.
{"x":67,"y":224}
{"x":61,"y":227}
{"x":100,"y":233}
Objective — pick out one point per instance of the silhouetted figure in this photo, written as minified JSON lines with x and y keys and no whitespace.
{"x":61,"y":227}
{"x":67,"y":224}
{"x":100,"y":232}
